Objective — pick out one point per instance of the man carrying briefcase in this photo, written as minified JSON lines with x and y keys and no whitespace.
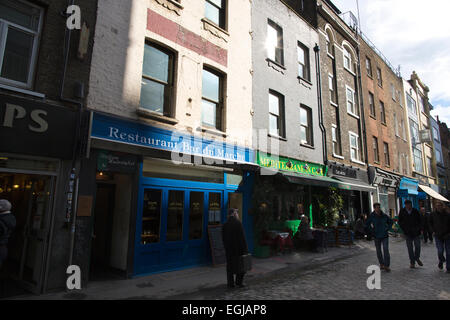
{"x":235,"y":248}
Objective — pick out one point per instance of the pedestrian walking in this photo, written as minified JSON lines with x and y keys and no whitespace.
{"x":440,"y":225}
{"x":235,"y":247}
{"x":411,"y":223}
{"x":7,"y":226}
{"x":426,"y":230}
{"x":378,"y":224}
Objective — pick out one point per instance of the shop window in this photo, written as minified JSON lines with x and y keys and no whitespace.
{"x":196,"y":215}
{"x":212,"y":99}
{"x":214,"y":208}
{"x":175,"y":216}
{"x":157,"y":79}
{"x":215,"y":12}
{"x":20,"y":24}
{"x":151,"y":217}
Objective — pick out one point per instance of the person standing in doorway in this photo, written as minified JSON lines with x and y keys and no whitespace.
{"x":7,"y":226}
{"x":235,"y":246}
{"x":426,"y":230}
{"x":440,"y":225}
{"x":411,"y":223}
{"x":378,"y":224}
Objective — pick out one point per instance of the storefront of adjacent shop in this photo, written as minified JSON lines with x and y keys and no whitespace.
{"x":36,"y":150}
{"x":179,"y":187}
{"x":354,"y":186}
{"x":407,"y":190}
{"x":386,"y":184}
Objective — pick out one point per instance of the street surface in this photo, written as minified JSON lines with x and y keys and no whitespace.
{"x":347,"y":280}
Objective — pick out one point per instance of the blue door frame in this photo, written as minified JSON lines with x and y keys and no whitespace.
{"x":168,"y":256}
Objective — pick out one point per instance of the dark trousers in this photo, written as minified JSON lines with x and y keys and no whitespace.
{"x":3,"y":254}
{"x":413,"y":244}
{"x":443,"y":245}
{"x":384,"y":258}
{"x":231,"y":281}
{"x":427,"y":235}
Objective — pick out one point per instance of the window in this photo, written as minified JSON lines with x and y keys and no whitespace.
{"x":369,"y":67}
{"x":332,"y":88}
{"x":275,"y":43}
{"x":399,"y":162}
{"x":382,"y":112}
{"x":372,"y":105}
{"x":418,"y":160}
{"x":336,"y":140}
{"x":348,"y":59}
{"x":303,"y":62}
{"x":422,"y":104}
{"x":379,"y":77}
{"x":157,"y":79}
{"x":395,"y":125}
{"x":354,"y":146}
{"x":430,"y":170}
{"x":20,"y":26}
{"x":436,"y":134}
{"x":276,"y":114}
{"x":402,"y":124}
{"x":329,"y":41}
{"x":393,"y":92}
{"x":376,"y":154}
{"x":175,"y":209}
{"x":351,"y":104}
{"x":151,"y":216}
{"x":306,"y":132}
{"x":212,"y":99}
{"x":215,"y":12}
{"x":438,"y":156}
{"x":196,"y":208}
{"x":411,"y":104}
{"x":414,"y":127}
{"x":387,"y":159}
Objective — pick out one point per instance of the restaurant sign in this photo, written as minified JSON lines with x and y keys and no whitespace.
{"x":290,"y":165}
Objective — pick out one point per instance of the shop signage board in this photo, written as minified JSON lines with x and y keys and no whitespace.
{"x":35,"y":128}
{"x":344,"y":172}
{"x":291,"y":165}
{"x":116,"y":162}
{"x":136,"y":133}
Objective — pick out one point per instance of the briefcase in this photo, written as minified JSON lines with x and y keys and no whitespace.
{"x":245,"y":263}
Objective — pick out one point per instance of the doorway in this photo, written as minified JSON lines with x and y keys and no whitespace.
{"x":31,"y":197}
{"x":102,"y":231}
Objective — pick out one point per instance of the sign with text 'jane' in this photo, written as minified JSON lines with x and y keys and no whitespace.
{"x":139,"y":134}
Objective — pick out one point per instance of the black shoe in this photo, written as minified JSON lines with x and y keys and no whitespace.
{"x":412,"y":265}
{"x":419,"y":262}
{"x":441,"y":265}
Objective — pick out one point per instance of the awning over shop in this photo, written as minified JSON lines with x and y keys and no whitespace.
{"x":432,"y":193}
{"x":348,"y":184}
{"x":319,"y":181}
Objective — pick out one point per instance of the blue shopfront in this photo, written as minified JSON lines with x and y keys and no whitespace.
{"x":408,"y":191}
{"x":186,"y":184}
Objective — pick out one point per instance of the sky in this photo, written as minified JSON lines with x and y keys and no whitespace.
{"x":415,"y":35}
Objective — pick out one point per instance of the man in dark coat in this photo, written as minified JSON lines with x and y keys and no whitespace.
{"x":426,"y":230}
{"x":235,"y":246}
{"x":411,"y":223}
{"x":440,"y":225}
{"x":7,"y":225}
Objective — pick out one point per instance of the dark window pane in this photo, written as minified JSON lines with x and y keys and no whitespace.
{"x":175,"y":216}
{"x":210,"y":87}
{"x":17,"y":58}
{"x":152,"y":96}
{"x":214,"y":208}
{"x":196,"y":215}
{"x":156,"y":64}
{"x":151,"y":216}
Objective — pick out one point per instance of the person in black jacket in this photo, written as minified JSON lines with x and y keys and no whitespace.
{"x":440,"y":225}
{"x":411,"y":223}
{"x":426,"y":231}
{"x":235,"y":246}
{"x":7,"y":226}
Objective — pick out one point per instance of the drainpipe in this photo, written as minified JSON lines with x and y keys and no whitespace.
{"x":320,"y":104}
{"x":361,"y":103}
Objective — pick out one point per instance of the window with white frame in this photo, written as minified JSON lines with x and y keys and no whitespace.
{"x":387,"y":158}
{"x":436,"y":134}
{"x":274,"y":42}
{"x":395,"y":124}
{"x":418,"y":165}
{"x":354,"y":146}
{"x":332,"y":88}
{"x":379,"y":77}
{"x":351,"y":102}
{"x":382,"y":113}
{"x":215,"y":12}
{"x":328,"y":38}
{"x":212,"y":98}
{"x":402,"y":124}
{"x":422,"y":104}
{"x":376,"y":153}
{"x":369,"y":67}
{"x":306,"y":132}
{"x":411,"y":104}
{"x":303,"y":62}
{"x":276,"y":114}
{"x":372,"y":105}
{"x":430,"y":170}
{"x":20,"y":27}
{"x":414,"y":128}
{"x":335,"y":134}
{"x":348,"y":59}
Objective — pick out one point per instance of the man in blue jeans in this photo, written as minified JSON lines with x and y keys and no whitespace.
{"x":410,"y":221}
{"x":378,"y":224}
{"x":440,"y":225}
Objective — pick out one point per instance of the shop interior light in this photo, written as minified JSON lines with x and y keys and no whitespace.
{"x":16,"y":186}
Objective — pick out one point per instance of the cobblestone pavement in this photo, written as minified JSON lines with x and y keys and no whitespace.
{"x":346,"y":280}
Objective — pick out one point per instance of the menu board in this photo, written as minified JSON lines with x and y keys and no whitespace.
{"x":216,"y":244}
